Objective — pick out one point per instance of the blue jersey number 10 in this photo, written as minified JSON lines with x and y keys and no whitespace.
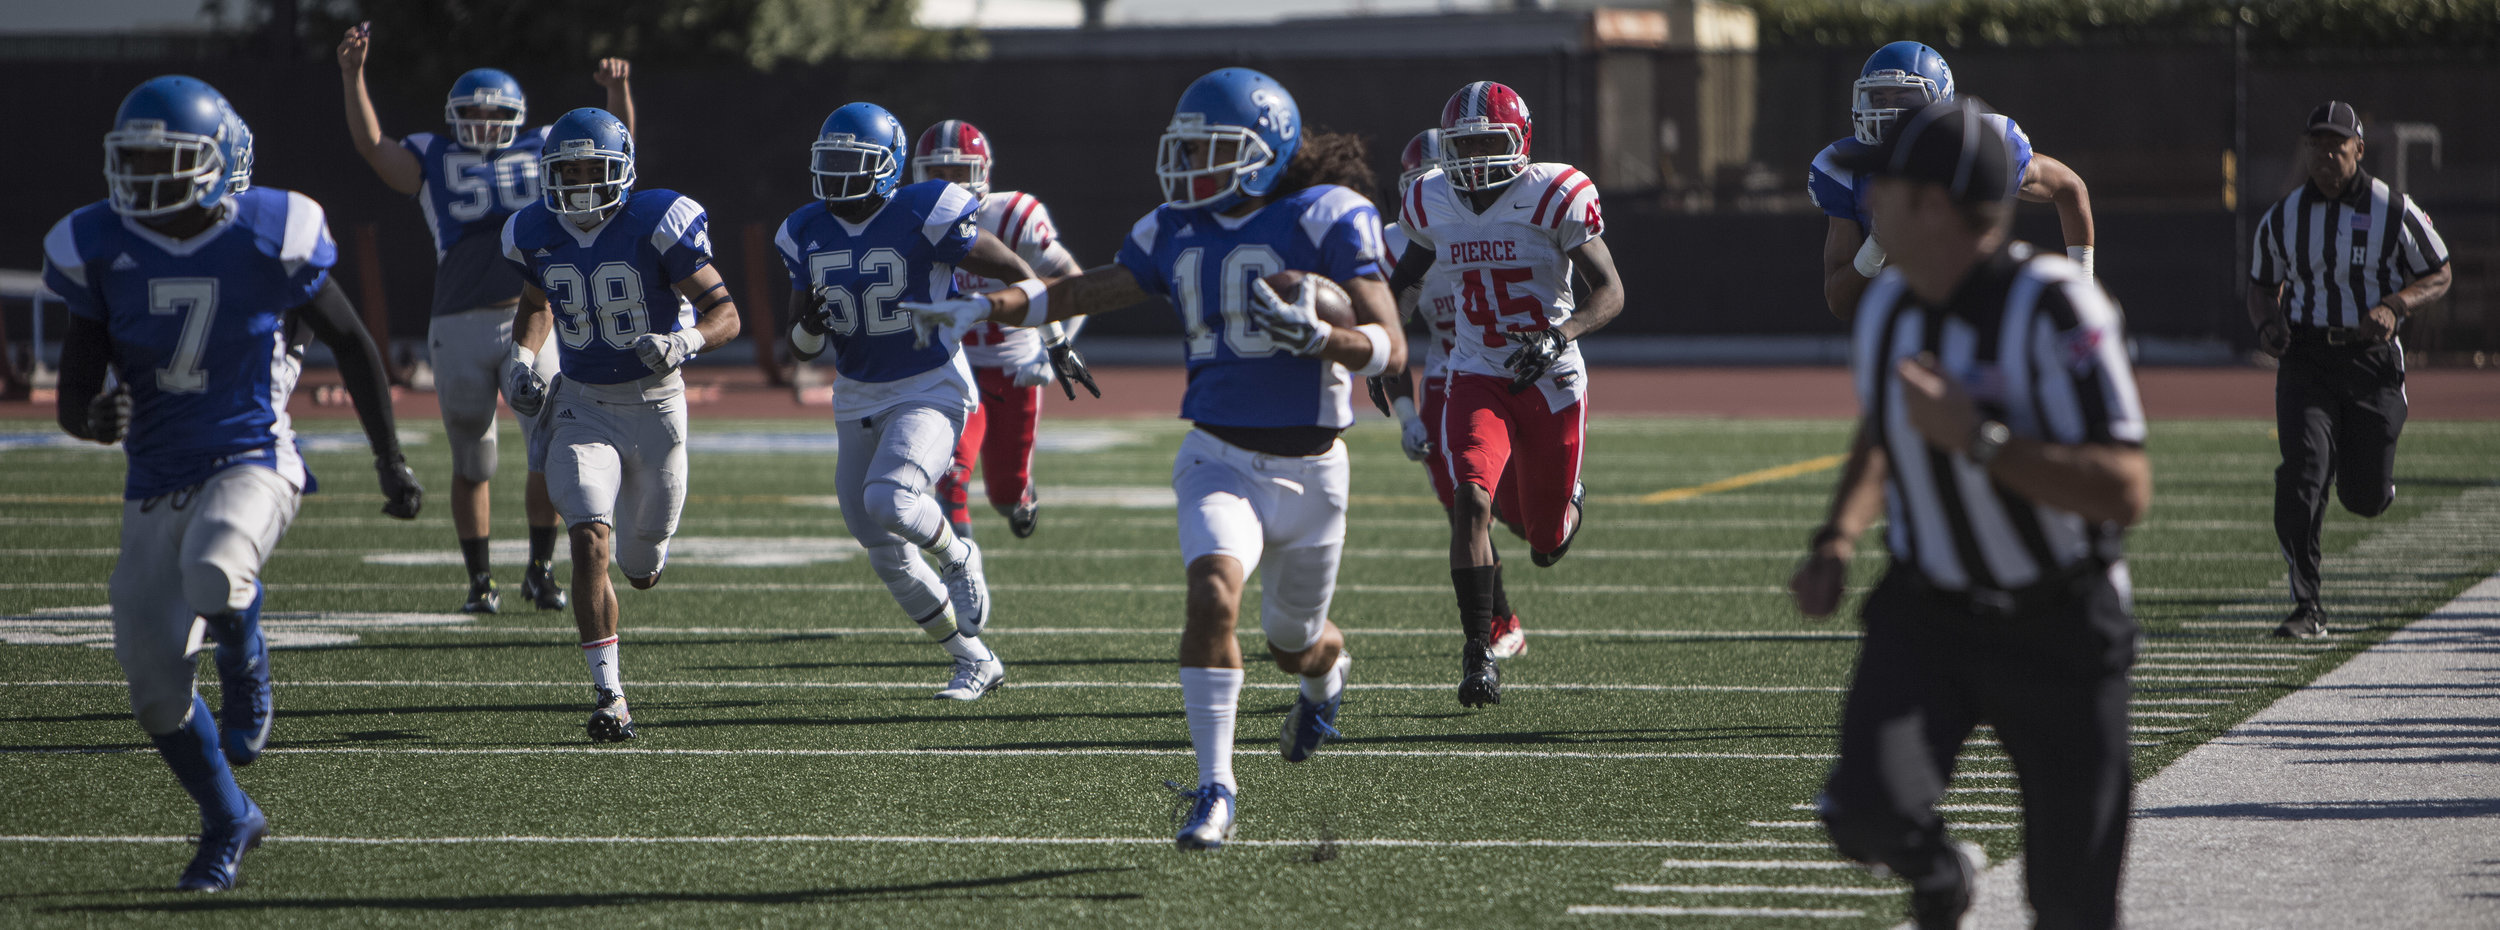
{"x":1245,"y":263}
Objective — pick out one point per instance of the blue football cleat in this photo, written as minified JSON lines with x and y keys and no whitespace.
{"x":1312,"y":723}
{"x":244,"y":716}
{"x":1208,"y":823}
{"x":218,"y":864}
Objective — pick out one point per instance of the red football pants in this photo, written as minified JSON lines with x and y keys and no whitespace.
{"x":1437,"y":462}
{"x":1488,"y":430}
{"x":1000,"y":433}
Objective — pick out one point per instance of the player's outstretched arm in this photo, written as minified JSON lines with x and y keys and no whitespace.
{"x":1597,"y":266}
{"x":86,"y":410}
{"x":992,"y":259}
{"x":616,"y":75}
{"x":397,"y":166}
{"x":1094,"y":290}
{"x":334,"y":321}
{"x":2050,"y":181}
{"x":1850,"y":259}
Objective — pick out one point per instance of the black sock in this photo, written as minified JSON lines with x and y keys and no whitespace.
{"x":1501,"y":597}
{"x":473,"y":552}
{"x":542,"y":546}
{"x":1475,"y":601}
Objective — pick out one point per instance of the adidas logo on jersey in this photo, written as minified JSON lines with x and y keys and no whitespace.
{"x":565,"y":414}
{"x":125,"y":263}
{"x":542,"y":253}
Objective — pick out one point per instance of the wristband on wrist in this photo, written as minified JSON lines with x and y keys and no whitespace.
{"x":523,"y":355}
{"x":2082,"y":254}
{"x":1827,"y":534}
{"x":1379,"y":361}
{"x":1037,"y":301}
{"x":1404,"y":407}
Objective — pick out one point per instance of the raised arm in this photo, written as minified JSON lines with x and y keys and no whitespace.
{"x":397,"y":166}
{"x":615,"y":74}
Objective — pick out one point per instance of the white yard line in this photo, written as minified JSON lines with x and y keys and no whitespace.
{"x":1598,"y":910}
{"x":846,"y":753}
{"x":1762,"y":889}
{"x":518,"y":839}
{"x":922,"y":685}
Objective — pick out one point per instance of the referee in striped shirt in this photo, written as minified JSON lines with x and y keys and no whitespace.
{"x":2002,"y":439}
{"x":2339,"y":266}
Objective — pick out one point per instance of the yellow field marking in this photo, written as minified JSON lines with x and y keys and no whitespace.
{"x":1732,"y":482}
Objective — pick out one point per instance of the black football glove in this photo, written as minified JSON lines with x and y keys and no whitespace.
{"x":1536,"y":355}
{"x":818,"y":319}
{"x":1378,"y":385}
{"x":108,"y":415}
{"x":1071,"y":369}
{"x":404,"y":497}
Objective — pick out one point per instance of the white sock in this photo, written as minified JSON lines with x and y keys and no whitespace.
{"x":1210,"y":696}
{"x":953,"y":641}
{"x":1323,"y":687}
{"x":946,"y":548}
{"x":604,"y":673}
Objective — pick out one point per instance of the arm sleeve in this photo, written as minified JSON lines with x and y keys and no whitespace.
{"x":1350,"y":245}
{"x":2264,"y":266}
{"x":65,"y":272}
{"x":333,"y":319}
{"x":1137,"y":255}
{"x":2084,"y":385}
{"x":683,"y":239}
{"x":2424,"y":251}
{"x":86,"y":356}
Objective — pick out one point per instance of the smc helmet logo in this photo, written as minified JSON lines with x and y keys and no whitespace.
{"x":1274,"y":114}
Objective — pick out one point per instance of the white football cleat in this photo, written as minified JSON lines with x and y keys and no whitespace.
{"x":1206,"y":819}
{"x":974,"y":678}
{"x":967,"y":590}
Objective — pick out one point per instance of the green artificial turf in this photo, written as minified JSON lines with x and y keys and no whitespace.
{"x":431,"y":768}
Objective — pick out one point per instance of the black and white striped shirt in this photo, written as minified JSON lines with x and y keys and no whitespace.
{"x":2040,"y":348}
{"x":2339,"y":256}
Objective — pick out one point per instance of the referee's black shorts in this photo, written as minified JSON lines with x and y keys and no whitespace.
{"x":2050,"y":674}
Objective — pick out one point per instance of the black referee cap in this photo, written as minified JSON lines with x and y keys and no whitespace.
{"x":2337,"y":117}
{"x":1954,"y":143}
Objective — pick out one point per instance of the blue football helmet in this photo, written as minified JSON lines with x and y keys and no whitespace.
{"x":857,"y":154}
{"x":170,"y":148}
{"x":504,"y":108}
{"x":1245,"y":127}
{"x":587,"y":134}
{"x":239,"y":168}
{"x":1899,"y":65}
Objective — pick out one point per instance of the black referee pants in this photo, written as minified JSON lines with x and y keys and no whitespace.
{"x":2338,"y":410}
{"x":2050,"y":676}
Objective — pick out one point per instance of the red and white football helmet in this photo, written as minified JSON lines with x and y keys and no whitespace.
{"x":1481,"y":110}
{"x":953,"y":142}
{"x":1423,"y":153}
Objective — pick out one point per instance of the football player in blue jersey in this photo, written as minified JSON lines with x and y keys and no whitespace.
{"x":624,"y":279}
{"x":1898,"y":79}
{"x":466,"y":183}
{"x":1247,"y":194}
{"x":193,"y":287}
{"x":865,"y":245}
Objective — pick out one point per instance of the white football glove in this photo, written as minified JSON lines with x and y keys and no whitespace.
{"x":1294,"y":326}
{"x":1411,"y":434}
{"x":663,"y":352}
{"x":1870,"y":260}
{"x":956,"y":316}
{"x":1034,"y":373}
{"x":522,"y":386}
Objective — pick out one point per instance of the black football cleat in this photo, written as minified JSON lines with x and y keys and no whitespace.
{"x":1024,"y":515}
{"x":612,"y":722}
{"x":1948,"y":907}
{"x":483,"y":599}
{"x":1480,"y":676}
{"x":540,"y":589}
{"x":1579,"y":519}
{"x":2308,"y":621}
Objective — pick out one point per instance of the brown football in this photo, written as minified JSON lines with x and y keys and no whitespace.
{"x":1333,"y":304}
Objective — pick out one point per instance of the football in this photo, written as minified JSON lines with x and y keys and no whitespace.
{"x":1333,"y":304}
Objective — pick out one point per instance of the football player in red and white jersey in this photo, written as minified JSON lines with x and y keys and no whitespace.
{"x":1396,"y":394}
{"x":1503,"y":236}
{"x":1009,"y":364}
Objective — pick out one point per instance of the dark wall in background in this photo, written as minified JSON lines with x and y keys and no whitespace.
{"x":2147,"y":127}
